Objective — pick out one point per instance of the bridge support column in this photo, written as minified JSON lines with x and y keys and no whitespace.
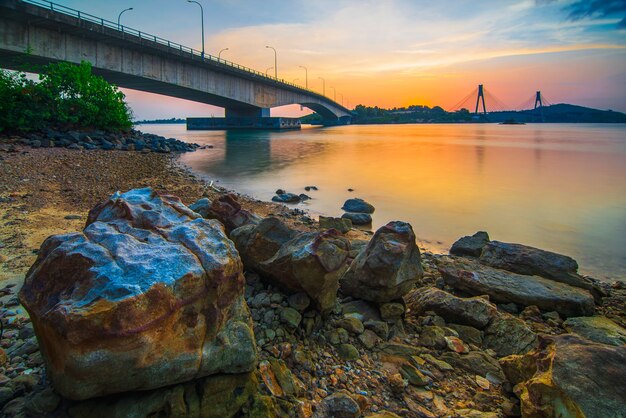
{"x":243,"y":118}
{"x":248,"y":112}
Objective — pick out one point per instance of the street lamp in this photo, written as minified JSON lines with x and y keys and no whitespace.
{"x":202,"y":21}
{"x":120,"y":15}
{"x":275,"y":61}
{"x":323,"y":86}
{"x":294,"y":80}
{"x":219,"y":55}
{"x":267,"y":70}
{"x":306,"y":75}
{"x":341,"y":99}
{"x":334,"y":94}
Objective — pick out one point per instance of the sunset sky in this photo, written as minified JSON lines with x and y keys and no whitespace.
{"x":400,"y":52}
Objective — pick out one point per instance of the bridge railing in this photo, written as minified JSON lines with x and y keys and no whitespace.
{"x":125,"y":30}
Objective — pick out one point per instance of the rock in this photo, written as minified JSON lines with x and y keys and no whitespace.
{"x":279,"y":379}
{"x":597,"y":328}
{"x":532,"y":261}
{"x":391,"y":312}
{"x":357,"y":218}
{"x":414,"y":376}
{"x":299,"y":301}
{"x":433,"y":336}
{"x":257,"y":243}
{"x":477,"y":362}
{"x":342,"y":225}
{"x":475,"y":311}
{"x":456,"y":344}
{"x":286,"y":198}
{"x":379,"y":327}
{"x":509,"y":335}
{"x":362,"y":310}
{"x":291,"y":317}
{"x":43,"y":402}
{"x":201,"y":207}
{"x":348,"y":352}
{"x":471,"y":246}
{"x":338,"y":405}
{"x":72,"y":217}
{"x":338,"y":336}
{"x":228,"y":211}
{"x":304,"y":197}
{"x":279,"y":191}
{"x":369,"y":339}
{"x":388,"y":268}
{"x":309,"y":188}
{"x":504,"y":287}
{"x":148,"y":286}
{"x":570,"y":376}
{"x":357,"y":205}
{"x":397,"y":383}
{"x":351,"y":324}
{"x":468,"y":334}
{"x":311,"y":262}
{"x":6,"y":394}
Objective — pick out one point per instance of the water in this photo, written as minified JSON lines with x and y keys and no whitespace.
{"x":561,"y":187}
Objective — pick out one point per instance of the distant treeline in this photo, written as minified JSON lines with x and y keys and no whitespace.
{"x":172,"y":120}
{"x":560,"y":113}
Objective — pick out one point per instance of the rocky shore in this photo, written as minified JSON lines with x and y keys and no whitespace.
{"x":212,"y":304}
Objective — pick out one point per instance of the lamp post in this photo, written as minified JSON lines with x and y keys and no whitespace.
{"x":341,"y":99}
{"x":202,"y":21}
{"x":323,"y":86}
{"x":267,"y":70}
{"x":275,"y":60}
{"x":334,"y":94}
{"x":294,"y":80}
{"x":306,"y":76}
{"x":120,"y":15}
{"x":219,"y":54}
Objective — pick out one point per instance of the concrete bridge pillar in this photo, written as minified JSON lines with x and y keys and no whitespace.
{"x":247,"y":112}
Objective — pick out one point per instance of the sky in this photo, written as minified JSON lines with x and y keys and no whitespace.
{"x":396,"y":53}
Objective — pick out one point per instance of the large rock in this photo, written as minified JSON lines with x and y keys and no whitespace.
{"x":357,"y":218}
{"x":508,"y":335}
{"x":357,"y":205}
{"x":149,"y":294}
{"x":475,"y":311}
{"x":387,"y":268}
{"x":470,"y":245}
{"x":597,"y":328}
{"x":311,"y":262}
{"x":532,"y":261}
{"x":229,"y":212}
{"x":258,"y":243}
{"x":504,"y":287}
{"x":568,"y":376}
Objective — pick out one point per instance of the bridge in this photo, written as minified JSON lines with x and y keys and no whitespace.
{"x":36,"y":32}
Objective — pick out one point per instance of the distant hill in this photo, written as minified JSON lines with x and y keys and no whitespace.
{"x":559,"y":113}
{"x":156,"y":121}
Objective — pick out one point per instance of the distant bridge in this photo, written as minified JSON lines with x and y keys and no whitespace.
{"x":536,"y":101}
{"x":40,"y":32}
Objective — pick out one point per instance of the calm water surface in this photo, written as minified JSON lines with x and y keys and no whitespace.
{"x":559,"y":187}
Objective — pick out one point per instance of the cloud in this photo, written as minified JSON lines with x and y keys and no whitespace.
{"x":583,"y":9}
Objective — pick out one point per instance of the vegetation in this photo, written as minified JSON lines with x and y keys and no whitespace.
{"x":162,"y":121}
{"x":67,"y":96}
{"x":412,"y":114}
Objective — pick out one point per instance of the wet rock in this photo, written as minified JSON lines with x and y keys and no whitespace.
{"x":362,"y":310}
{"x":532,"y":261}
{"x":570,"y":376}
{"x":43,"y":402}
{"x":257,"y":243}
{"x":131,"y":293}
{"x":342,"y":225}
{"x":291,"y":317}
{"x":597,"y":328}
{"x":201,"y":207}
{"x":388,"y":268}
{"x":509,"y":335}
{"x":357,"y":218}
{"x":468,"y":334}
{"x":475,"y":311}
{"x":470,"y":245}
{"x":312,"y":263}
{"x":477,"y":362}
{"x":348,"y":352}
{"x":338,"y":405}
{"x":229,"y":212}
{"x":413,"y":375}
{"x":286,"y":198}
{"x":357,"y":205}
{"x":505,"y":287}
{"x":351,"y":324}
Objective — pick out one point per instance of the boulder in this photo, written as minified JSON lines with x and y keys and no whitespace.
{"x":387,"y":268}
{"x":259,"y":242}
{"x":475,"y":311}
{"x":311,"y":262}
{"x":532,"y":261}
{"x":228,"y":211}
{"x":569,"y":376}
{"x":286,"y":198}
{"x":504,"y":287}
{"x":508,"y":335}
{"x":470,"y":245}
{"x":357,"y":218}
{"x":149,"y":287}
{"x":342,"y":225}
{"x":357,"y":205}
{"x":597,"y":328}
{"x":201,"y":207}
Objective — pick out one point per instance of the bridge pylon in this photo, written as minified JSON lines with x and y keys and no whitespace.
{"x":481,"y":95}
{"x":538,"y":100}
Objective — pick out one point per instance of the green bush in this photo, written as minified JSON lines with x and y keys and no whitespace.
{"x":67,"y":96}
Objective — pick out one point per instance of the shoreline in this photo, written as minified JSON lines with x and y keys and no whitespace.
{"x":409,"y":369}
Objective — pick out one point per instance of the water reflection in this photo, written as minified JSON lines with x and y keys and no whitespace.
{"x":558,"y":187}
